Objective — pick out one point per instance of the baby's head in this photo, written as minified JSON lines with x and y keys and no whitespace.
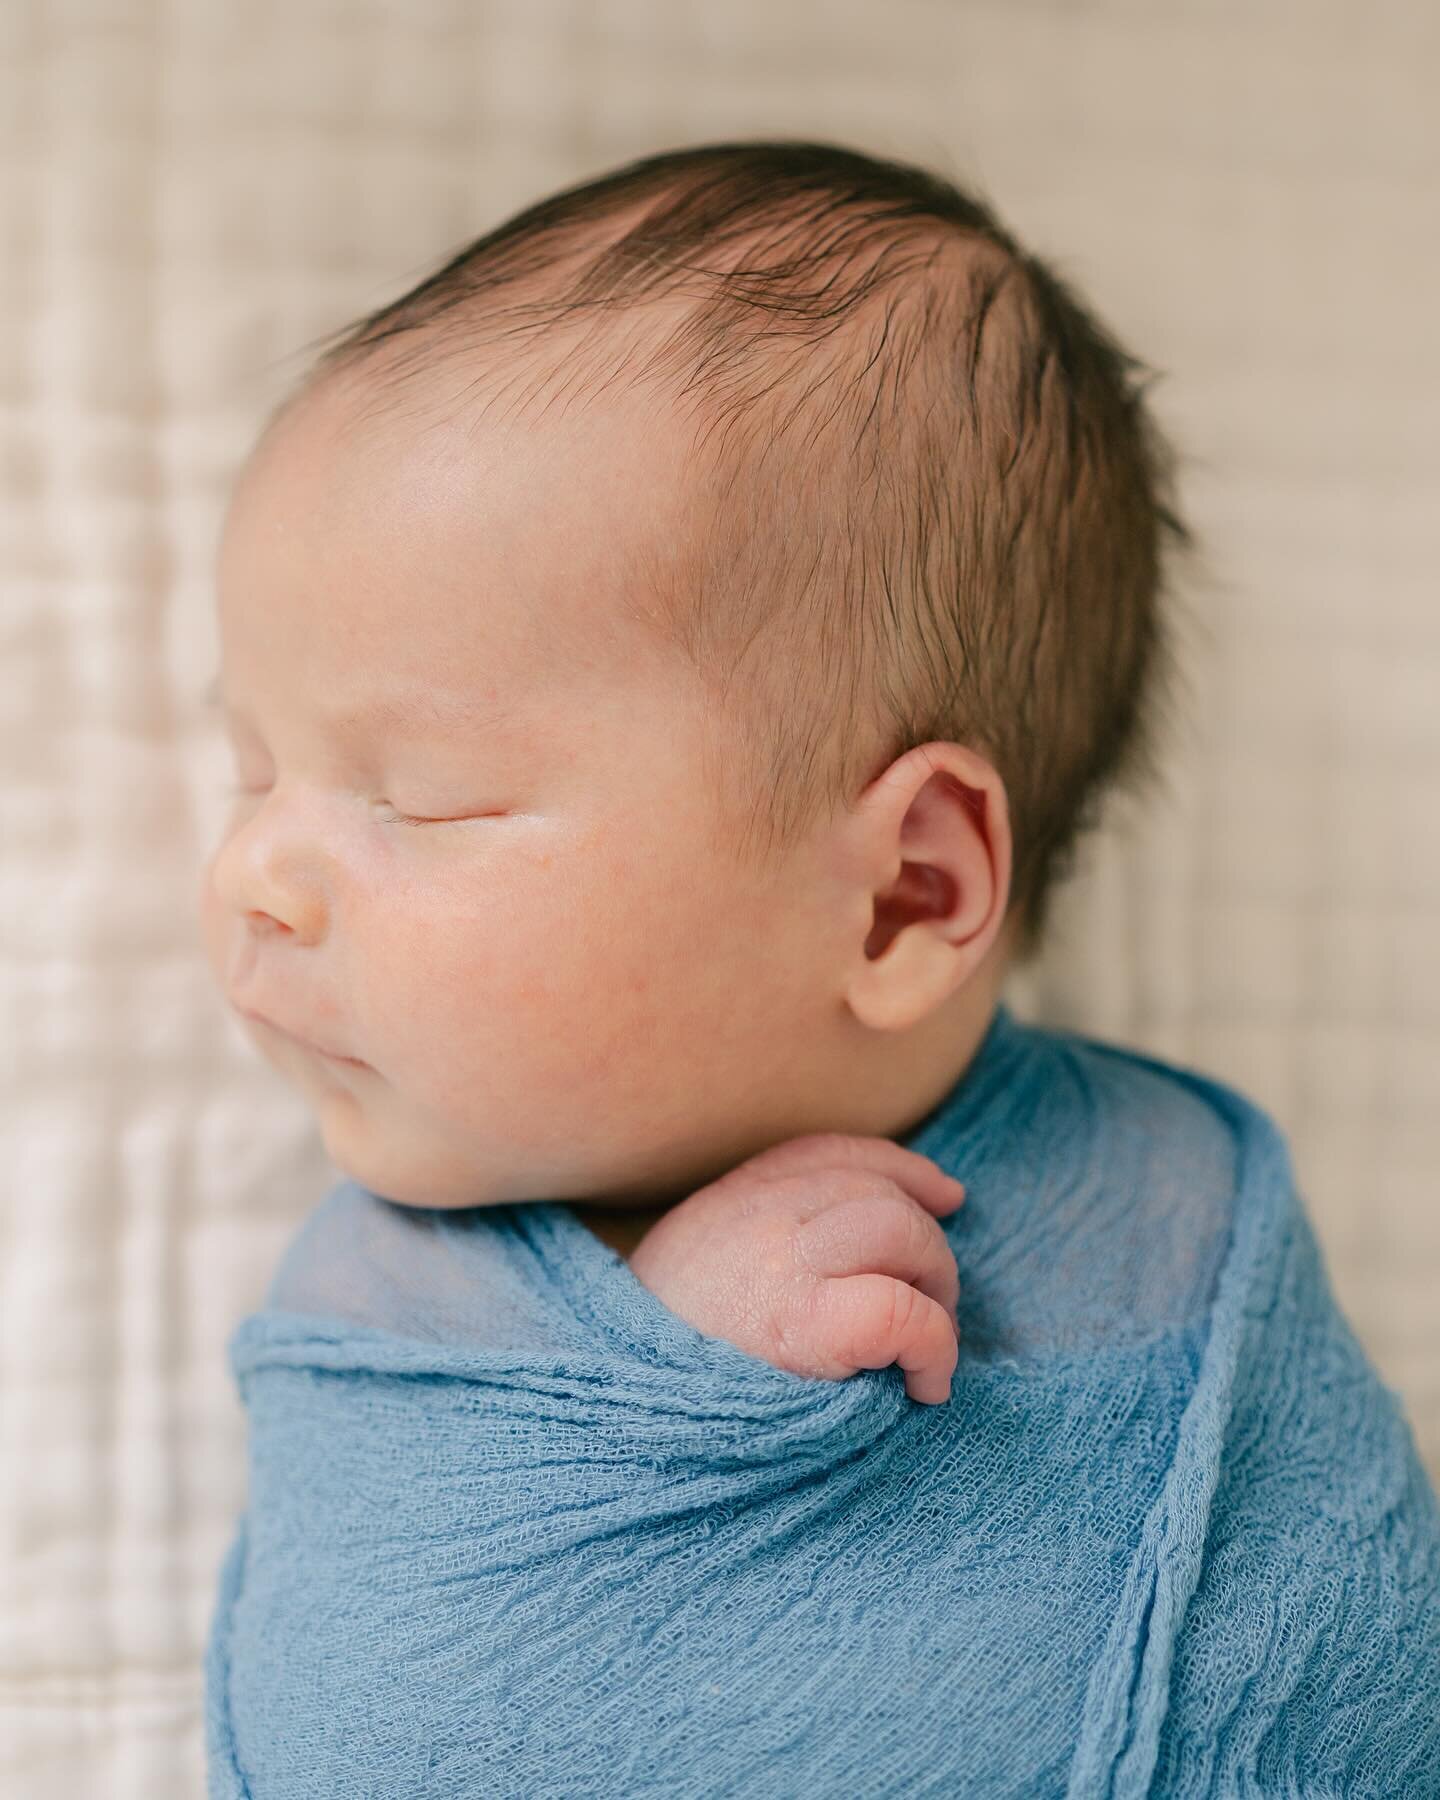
{"x":743,"y":574}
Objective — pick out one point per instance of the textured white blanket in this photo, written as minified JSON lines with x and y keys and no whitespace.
{"x":189,"y":193}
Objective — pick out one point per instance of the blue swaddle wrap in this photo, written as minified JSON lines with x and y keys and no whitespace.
{"x":515,"y":1529}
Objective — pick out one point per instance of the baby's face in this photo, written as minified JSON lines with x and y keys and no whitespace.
{"x":562,"y":984}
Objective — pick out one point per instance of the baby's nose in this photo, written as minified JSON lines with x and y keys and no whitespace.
{"x":265,"y":924}
{"x":269,"y":885}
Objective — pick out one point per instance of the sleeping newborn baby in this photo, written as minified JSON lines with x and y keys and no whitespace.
{"x":668,"y":656}
{"x":477,"y":897}
{"x":508,"y":681}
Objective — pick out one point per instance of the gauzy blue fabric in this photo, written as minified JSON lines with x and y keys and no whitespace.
{"x":513,"y":1528}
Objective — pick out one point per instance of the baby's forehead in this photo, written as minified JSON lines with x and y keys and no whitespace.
{"x":453,"y":417}
{"x":428,"y":528}
{"x":618,"y":482}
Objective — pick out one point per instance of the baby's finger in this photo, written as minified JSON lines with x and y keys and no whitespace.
{"x":882,"y":1233}
{"x":872,"y":1321}
{"x":922,"y":1179}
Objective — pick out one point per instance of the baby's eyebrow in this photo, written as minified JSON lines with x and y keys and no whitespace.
{"x":466,"y":709}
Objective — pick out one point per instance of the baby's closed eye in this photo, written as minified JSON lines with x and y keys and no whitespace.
{"x":400,"y":818}
{"x":391,"y":815}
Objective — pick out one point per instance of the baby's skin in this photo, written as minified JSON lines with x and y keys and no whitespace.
{"x":821,"y":1255}
{"x":475,"y":897}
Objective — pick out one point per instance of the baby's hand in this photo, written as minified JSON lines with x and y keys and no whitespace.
{"x":821,"y":1255}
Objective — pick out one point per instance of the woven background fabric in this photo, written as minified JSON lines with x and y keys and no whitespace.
{"x":190,"y":192}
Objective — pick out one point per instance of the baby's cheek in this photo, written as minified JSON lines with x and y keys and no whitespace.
{"x":511,"y":995}
{"x":563,"y":1005}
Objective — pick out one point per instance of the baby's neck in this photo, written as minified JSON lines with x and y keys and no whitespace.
{"x":620,"y":1227}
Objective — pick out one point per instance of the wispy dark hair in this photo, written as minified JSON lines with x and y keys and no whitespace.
{"x":930,"y":499}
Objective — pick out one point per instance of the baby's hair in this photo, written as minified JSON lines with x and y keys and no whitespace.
{"x":930,"y":501}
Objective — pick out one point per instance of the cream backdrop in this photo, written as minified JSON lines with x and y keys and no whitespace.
{"x":191,"y":191}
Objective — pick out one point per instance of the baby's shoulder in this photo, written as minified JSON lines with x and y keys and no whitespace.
{"x":1125,"y":1178}
{"x":1171,"y":1134}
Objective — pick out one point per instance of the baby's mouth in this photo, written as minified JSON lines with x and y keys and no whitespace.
{"x":315,"y":1049}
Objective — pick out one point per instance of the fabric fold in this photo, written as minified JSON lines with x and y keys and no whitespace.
{"x":515,"y":1529}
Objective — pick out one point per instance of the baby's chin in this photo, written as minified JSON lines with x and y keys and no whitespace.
{"x":400,"y":1169}
{"x":405,"y":1155}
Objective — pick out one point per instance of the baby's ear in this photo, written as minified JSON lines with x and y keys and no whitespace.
{"x":932,"y":846}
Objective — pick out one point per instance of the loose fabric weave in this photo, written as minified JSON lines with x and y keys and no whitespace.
{"x":514,"y":1528}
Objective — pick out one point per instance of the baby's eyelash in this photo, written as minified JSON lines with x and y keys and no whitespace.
{"x":234,"y":789}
